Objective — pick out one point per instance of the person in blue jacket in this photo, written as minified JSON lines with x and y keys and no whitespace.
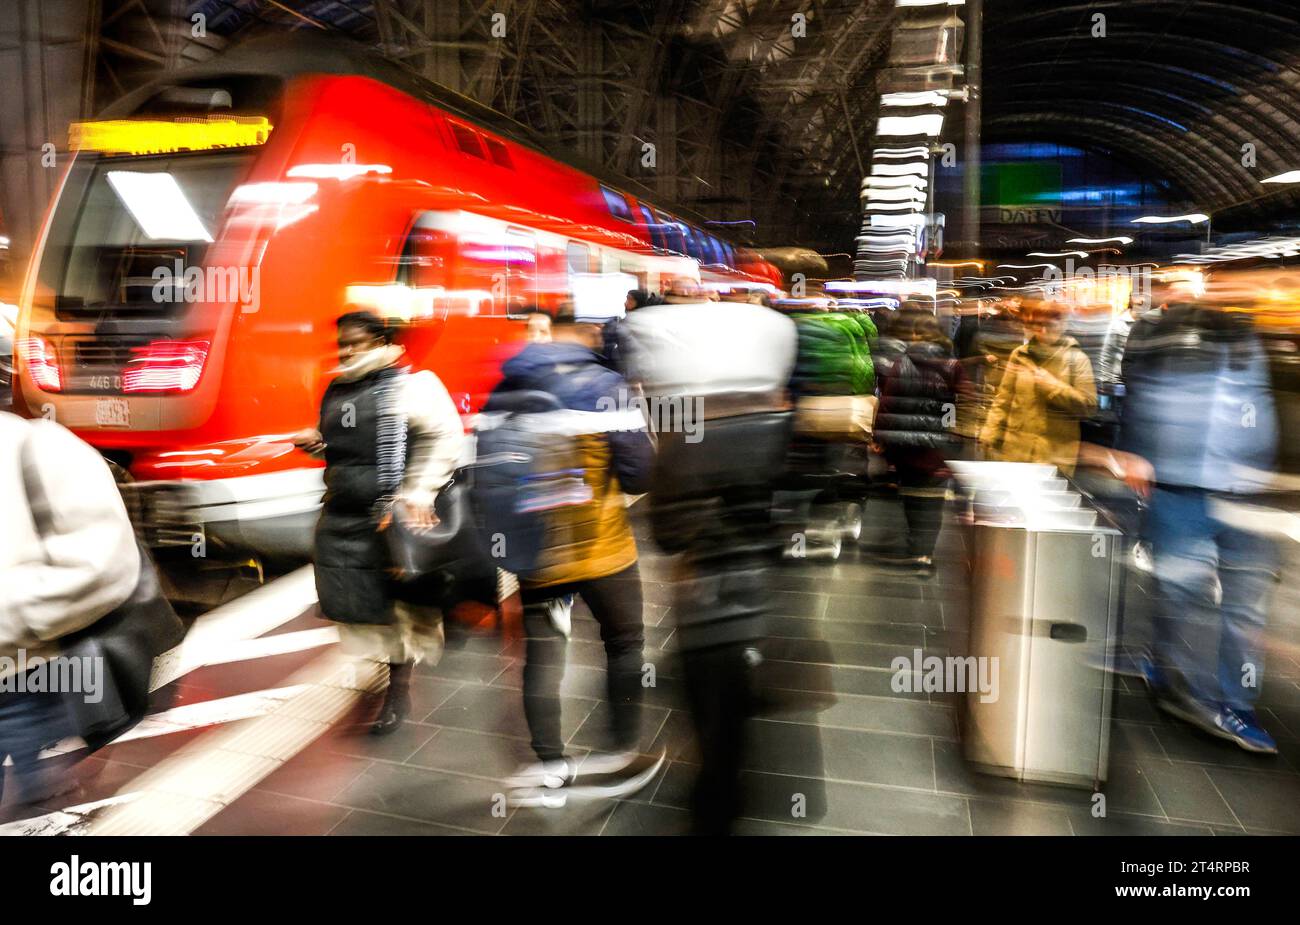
{"x":1199,"y":436}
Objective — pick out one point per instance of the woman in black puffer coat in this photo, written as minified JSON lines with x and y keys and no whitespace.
{"x":918,"y":379}
{"x":389,"y":435}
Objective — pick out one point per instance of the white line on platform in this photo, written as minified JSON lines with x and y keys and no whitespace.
{"x":247,"y":617}
{"x":68,"y":821}
{"x":192,"y":785}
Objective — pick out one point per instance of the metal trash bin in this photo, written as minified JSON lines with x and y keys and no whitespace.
{"x":1045,"y":592}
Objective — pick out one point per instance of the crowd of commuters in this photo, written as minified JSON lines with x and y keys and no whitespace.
{"x":1009,"y":384}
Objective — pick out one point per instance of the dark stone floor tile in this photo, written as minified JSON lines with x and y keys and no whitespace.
{"x":1261,"y":800}
{"x":398,"y":745}
{"x":1186,"y":792}
{"x":833,"y":631}
{"x":1132,"y":742}
{"x":1015,"y":817}
{"x":465,"y":666}
{"x":1127,"y":825}
{"x":361,"y":823}
{"x":572,"y":819}
{"x":841,"y":754}
{"x":676,"y":738}
{"x":859,"y":807}
{"x":430,"y":796}
{"x":861,"y":681}
{"x":476,"y":754}
{"x":594,"y":733}
{"x":884,"y":610}
{"x":500,"y":711}
{"x":885,"y":714}
{"x":261,"y":813}
{"x":647,"y":819}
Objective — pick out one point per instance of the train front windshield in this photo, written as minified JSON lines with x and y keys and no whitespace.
{"x":125,"y":227}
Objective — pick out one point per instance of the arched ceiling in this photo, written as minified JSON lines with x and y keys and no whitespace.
{"x":1178,"y":87}
{"x":755,"y":124}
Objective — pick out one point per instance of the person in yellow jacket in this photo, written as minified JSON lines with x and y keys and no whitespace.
{"x":1046,"y":390}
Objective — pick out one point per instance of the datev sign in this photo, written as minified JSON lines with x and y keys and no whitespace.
{"x":103,"y":878}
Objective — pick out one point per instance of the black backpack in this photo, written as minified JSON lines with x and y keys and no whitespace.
{"x":524,"y":470}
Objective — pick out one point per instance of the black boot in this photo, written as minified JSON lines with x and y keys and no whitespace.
{"x":397,"y":700}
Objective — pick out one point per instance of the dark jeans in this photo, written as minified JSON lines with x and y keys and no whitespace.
{"x":720,"y":689}
{"x":615,"y":602}
{"x":30,"y":721}
{"x":923,"y":499}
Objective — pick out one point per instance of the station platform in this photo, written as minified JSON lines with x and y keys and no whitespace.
{"x":259,"y":738}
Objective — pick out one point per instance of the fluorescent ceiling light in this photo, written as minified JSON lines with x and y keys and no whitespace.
{"x":898,"y":170}
{"x":1195,"y":218}
{"x":1291,"y":176}
{"x":158,"y":205}
{"x":930,"y":124}
{"x":914,"y":98}
{"x":908,"y":182}
{"x":902,"y":153}
{"x":1119,"y":240}
{"x":1062,"y":254}
{"x":898,"y":221}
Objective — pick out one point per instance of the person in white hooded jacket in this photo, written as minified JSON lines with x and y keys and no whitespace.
{"x":54,"y":581}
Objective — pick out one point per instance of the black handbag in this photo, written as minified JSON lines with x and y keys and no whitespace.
{"x":124,"y":642}
{"x":451,"y":545}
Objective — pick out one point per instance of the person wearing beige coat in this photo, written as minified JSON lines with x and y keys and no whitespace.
{"x":1046,"y":390}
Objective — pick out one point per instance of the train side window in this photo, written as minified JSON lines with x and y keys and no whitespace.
{"x":728,"y":255}
{"x":578,"y":257}
{"x":693,"y":248}
{"x":715,"y":251}
{"x":521,"y":271}
{"x":499,"y":152}
{"x":617,"y":204}
{"x":652,"y":227}
{"x":672,"y":232}
{"x":466,"y":139}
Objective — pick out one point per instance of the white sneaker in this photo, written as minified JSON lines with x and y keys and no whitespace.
{"x":560,"y":610}
{"x":550,"y":775}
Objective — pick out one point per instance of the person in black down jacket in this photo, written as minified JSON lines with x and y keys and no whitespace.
{"x":918,"y":379}
{"x":388,"y":435}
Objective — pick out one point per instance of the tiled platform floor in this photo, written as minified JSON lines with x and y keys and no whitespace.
{"x":874,"y":761}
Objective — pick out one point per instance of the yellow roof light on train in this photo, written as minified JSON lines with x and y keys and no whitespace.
{"x":166,"y":136}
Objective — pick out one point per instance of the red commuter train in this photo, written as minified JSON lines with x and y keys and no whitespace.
{"x":179,"y":310}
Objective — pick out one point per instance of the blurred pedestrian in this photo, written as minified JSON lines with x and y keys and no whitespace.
{"x":1199,"y":436}
{"x":916,"y":422}
{"x":1044,"y":394}
{"x":711,"y":504}
{"x":391,"y":439}
{"x":62,"y":568}
{"x":539,"y":326}
{"x":598,"y":565}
